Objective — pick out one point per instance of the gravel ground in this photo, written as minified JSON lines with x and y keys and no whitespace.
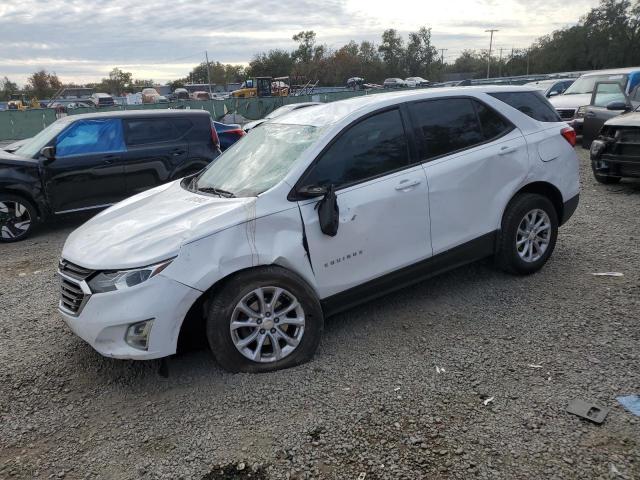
{"x":371,"y":405}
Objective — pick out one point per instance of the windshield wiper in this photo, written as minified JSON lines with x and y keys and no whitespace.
{"x":217,"y":191}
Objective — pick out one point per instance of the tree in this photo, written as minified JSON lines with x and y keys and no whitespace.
{"x":42,"y":84}
{"x":273,"y":63}
{"x":305,"y":51}
{"x":7,"y":87}
{"x":420,"y":54}
{"x":393,"y":53}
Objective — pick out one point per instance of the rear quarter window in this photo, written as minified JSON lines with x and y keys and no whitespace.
{"x":532,"y":104}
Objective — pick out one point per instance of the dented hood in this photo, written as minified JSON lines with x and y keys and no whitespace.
{"x":151,"y":227}
{"x":625,"y":120}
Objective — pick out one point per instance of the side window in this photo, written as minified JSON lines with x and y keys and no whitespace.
{"x":181,"y":126}
{"x":492,"y":123}
{"x":606,"y":93}
{"x":372,"y":147}
{"x":142,"y":131}
{"x":445,"y":126}
{"x":532,"y":104}
{"x":91,"y":136}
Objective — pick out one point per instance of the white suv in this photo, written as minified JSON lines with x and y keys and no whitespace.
{"x":319,"y":210}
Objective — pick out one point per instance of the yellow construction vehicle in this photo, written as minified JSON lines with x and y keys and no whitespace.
{"x":261,"y":87}
{"x":19,"y":101}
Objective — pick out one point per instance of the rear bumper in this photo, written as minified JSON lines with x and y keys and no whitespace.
{"x":569,"y":208}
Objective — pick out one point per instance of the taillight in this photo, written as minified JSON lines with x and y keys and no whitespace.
{"x":238,"y":132}
{"x":569,"y":135}
{"x":214,"y":137}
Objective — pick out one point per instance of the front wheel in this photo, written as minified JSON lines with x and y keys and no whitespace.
{"x":18,"y":218}
{"x":528,"y":235}
{"x":263,"y":320}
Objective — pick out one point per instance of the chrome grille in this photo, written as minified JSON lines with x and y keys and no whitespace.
{"x":73,"y":270}
{"x":566,"y":113}
{"x":72,"y":278}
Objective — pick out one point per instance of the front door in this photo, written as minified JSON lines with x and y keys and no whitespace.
{"x":156,"y":148}
{"x":384,"y":214}
{"x":87,"y":171}
{"x":597,"y":113}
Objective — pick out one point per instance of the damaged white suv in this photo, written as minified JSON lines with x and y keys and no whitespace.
{"x":316,"y":211}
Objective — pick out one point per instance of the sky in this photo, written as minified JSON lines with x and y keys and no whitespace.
{"x":81,"y":40}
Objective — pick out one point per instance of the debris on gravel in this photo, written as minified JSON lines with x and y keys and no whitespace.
{"x":396,"y":390}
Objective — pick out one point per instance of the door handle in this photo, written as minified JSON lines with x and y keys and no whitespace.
{"x":406,"y":184}
{"x":177,"y":153}
{"x":590,"y":114}
{"x":108,"y":160}
{"x":505,"y":150}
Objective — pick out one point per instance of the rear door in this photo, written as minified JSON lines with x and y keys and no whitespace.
{"x":156,"y":148}
{"x":473,"y":158}
{"x":87,"y":171}
{"x":597,"y":113}
{"x":384,"y":214}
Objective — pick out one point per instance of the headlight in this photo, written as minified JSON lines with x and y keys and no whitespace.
{"x":119,"y":280}
{"x":581,"y":111}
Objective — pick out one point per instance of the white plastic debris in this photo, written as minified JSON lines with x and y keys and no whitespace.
{"x":533,"y":365}
{"x":488,"y":401}
{"x":608,"y":274}
{"x":440,"y":370}
{"x":396,"y":389}
{"x":362,"y":476}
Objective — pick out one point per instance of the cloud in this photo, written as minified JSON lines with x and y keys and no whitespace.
{"x":82,"y":40}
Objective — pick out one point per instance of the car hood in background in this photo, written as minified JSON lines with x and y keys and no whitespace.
{"x":625,"y":120}
{"x":570,"y":101}
{"x":12,"y":147}
{"x":7,"y":158}
{"x":151,"y":227}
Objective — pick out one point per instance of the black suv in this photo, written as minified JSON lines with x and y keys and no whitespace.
{"x":85,"y":162}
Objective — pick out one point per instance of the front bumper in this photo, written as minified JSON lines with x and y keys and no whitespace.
{"x":105,"y":317}
{"x":577,"y":124}
{"x":611,"y":164}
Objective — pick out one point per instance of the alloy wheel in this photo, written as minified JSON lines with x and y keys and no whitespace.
{"x":533,"y":236}
{"x":267,"y":324}
{"x":15,"y":219}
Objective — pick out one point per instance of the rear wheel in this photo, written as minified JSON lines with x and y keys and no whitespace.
{"x":18,"y":218}
{"x":528,"y":235}
{"x":264,"y":319}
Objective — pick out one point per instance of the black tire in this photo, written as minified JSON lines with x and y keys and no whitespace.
{"x":223,"y":304}
{"x":14,"y":212}
{"x":507,"y":257}
{"x":605,"y":179}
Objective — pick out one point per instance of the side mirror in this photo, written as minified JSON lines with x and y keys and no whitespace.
{"x":312,"y":191}
{"x":617,"y":105}
{"x":553,"y":93}
{"x":49,"y":153}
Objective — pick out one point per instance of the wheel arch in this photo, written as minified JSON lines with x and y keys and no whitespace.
{"x":545,"y":189}
{"x":25,"y":195}
{"x":192,"y":332}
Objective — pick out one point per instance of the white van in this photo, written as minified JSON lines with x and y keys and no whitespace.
{"x":317,"y":211}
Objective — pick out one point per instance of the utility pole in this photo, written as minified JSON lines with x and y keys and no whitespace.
{"x":528,"y":50}
{"x":500,"y":62}
{"x":490,"y":45}
{"x":206,"y":55}
{"x":442,"y":50}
